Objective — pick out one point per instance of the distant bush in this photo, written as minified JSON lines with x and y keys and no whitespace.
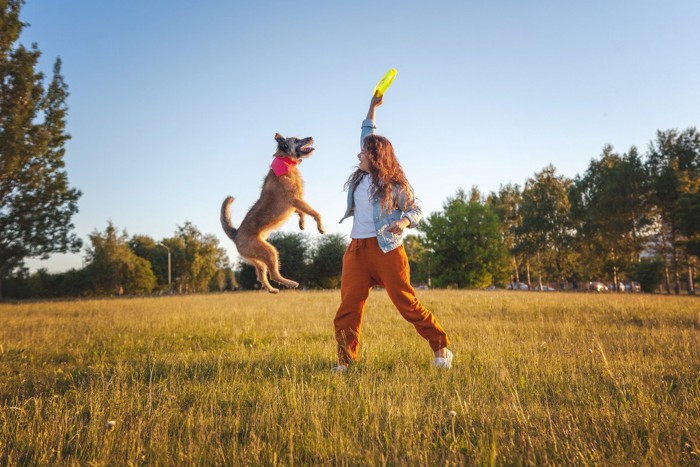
{"x":648,"y":272}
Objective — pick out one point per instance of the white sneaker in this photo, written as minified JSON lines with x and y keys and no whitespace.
{"x":339,"y":369}
{"x":444,"y":362}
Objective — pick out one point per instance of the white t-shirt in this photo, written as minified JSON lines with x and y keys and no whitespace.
{"x":363,"y":215}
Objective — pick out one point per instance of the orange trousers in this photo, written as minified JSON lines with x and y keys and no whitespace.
{"x":364,"y":266}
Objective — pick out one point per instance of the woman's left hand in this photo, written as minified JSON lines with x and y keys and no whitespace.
{"x":397,"y":227}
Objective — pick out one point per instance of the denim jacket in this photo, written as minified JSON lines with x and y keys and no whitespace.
{"x":405,"y":207}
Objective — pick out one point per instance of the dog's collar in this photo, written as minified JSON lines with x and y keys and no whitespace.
{"x":280,"y":166}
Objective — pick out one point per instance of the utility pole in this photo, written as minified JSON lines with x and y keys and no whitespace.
{"x":170,"y":289}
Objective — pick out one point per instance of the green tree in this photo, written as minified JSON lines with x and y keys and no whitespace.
{"x":195,"y":258}
{"x":648,"y":272}
{"x":42,"y":284}
{"x":688,"y":219}
{"x":611,"y":209}
{"x":546,"y":229}
{"x":465,"y":242}
{"x":506,"y":204}
{"x":293,"y":249}
{"x":674,"y":167}
{"x":419,"y":259}
{"x":152,"y":251}
{"x":224,"y":279}
{"x":114,"y":268}
{"x":245,"y":276}
{"x":326,"y":261}
{"x":36,"y":203}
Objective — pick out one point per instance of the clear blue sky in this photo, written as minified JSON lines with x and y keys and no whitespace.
{"x":174,"y":104}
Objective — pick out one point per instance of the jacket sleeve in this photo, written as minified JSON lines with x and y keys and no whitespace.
{"x":411,"y":208}
{"x":368,"y":127}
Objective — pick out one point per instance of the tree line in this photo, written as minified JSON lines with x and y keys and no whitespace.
{"x":188,"y":262}
{"x":628,"y":218}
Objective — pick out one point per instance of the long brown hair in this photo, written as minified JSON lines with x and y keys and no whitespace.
{"x":385,"y":170}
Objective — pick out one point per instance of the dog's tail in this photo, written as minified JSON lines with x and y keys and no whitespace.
{"x":226,"y":218}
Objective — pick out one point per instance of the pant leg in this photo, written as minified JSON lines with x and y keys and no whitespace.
{"x":355,"y":284}
{"x":394,"y":272}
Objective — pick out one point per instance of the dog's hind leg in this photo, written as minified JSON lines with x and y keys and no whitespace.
{"x":261,"y":274}
{"x":271,"y":260}
{"x":265,"y":259}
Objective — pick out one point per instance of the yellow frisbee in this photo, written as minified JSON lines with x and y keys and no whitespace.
{"x":385,"y":82}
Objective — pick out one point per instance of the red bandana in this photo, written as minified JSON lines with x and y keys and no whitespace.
{"x":281,"y":165}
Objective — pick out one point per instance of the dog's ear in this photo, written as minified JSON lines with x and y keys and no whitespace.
{"x":281,"y":142}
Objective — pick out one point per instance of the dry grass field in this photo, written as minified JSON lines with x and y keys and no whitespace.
{"x":244,"y":379}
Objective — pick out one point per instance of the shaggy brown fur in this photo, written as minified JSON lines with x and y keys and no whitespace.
{"x":281,"y":196}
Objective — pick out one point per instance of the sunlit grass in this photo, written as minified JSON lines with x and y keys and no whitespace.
{"x":244,"y":378}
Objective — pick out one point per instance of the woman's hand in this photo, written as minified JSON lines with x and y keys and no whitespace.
{"x":376,"y":101}
{"x":397,"y":227}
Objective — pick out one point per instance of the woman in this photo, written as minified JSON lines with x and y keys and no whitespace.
{"x":382,"y":204}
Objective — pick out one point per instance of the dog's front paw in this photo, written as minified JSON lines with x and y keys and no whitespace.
{"x":301,"y":224}
{"x":321,"y":229}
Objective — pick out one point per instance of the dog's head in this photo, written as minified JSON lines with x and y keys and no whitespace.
{"x":296,"y":148}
